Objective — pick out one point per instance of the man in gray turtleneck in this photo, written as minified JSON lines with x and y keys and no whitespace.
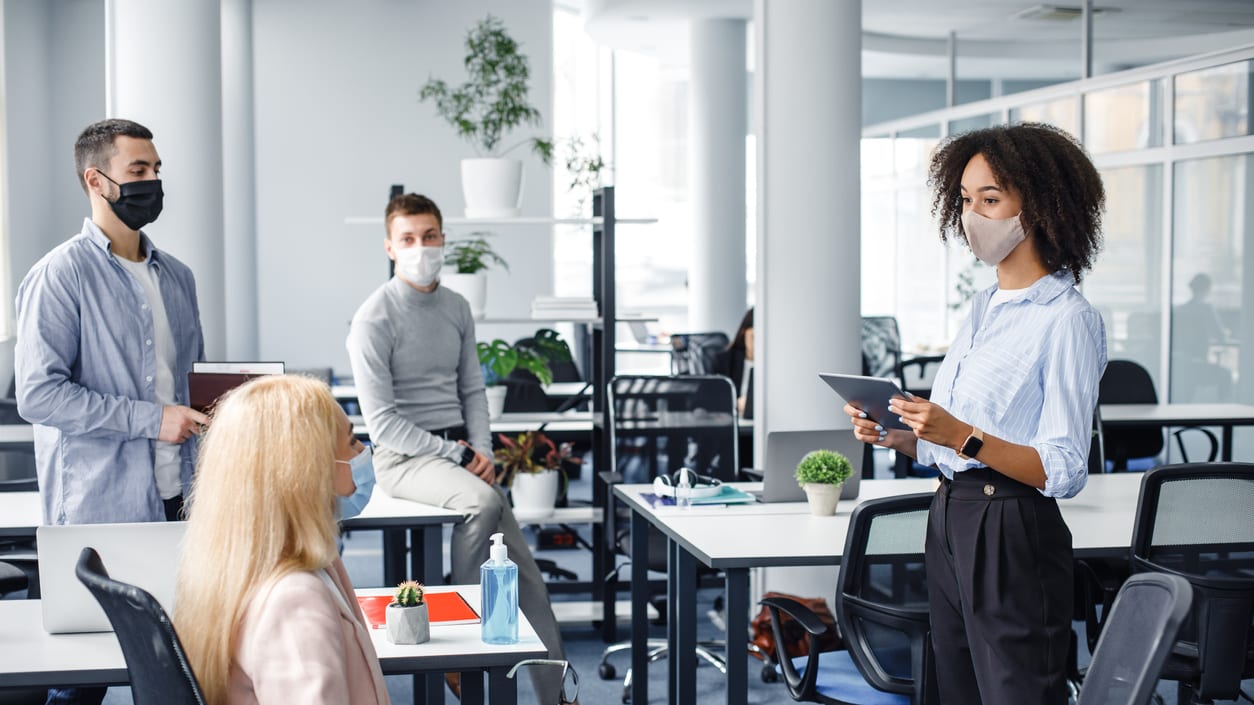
{"x":412,"y":348}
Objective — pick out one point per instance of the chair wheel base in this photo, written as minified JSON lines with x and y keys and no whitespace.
{"x":769,"y":675}
{"x":607,"y":671}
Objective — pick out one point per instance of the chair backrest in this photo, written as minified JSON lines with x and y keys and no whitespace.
{"x":881,"y":595}
{"x":694,"y":353}
{"x":659,"y":424}
{"x":1136,"y":640}
{"x":1127,"y":382}
{"x":881,"y":347}
{"x":158,"y":667}
{"x":1194,"y":520}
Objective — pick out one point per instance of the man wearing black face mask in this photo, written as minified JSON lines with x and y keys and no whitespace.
{"x":108,"y":328}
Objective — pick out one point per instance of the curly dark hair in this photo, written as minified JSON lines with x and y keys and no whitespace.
{"x":1062,"y":193}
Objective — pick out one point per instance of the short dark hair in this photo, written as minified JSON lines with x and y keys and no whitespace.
{"x":410,"y":204}
{"x":1062,"y":192}
{"x":94,"y":146}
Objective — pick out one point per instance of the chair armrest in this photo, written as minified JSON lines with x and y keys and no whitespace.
{"x":800,"y":687}
{"x":1214,"y":443}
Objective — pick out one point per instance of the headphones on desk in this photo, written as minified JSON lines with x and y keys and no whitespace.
{"x":699,"y":485}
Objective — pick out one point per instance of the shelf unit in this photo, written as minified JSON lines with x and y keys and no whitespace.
{"x":603,"y":338}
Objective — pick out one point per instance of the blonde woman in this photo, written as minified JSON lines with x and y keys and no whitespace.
{"x":265,"y":608}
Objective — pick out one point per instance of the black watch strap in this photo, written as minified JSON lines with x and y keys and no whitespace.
{"x":468,"y":456}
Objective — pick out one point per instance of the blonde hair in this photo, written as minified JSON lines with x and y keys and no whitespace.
{"x":262,"y":505}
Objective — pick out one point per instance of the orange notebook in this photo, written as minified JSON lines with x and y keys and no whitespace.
{"x":442,"y":608}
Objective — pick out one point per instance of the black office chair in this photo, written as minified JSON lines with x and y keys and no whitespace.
{"x":12,"y":579}
{"x":158,"y":667}
{"x":657,"y":425}
{"x":694,"y":353}
{"x":1195,"y":521}
{"x":1127,"y":382}
{"x":1139,"y":633}
{"x":882,"y":610}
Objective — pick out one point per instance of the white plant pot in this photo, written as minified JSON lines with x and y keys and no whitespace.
{"x":822,"y":498}
{"x":535,"y":494}
{"x":496,"y":400}
{"x":472,"y":287}
{"x":492,"y":187}
{"x":408,"y":625}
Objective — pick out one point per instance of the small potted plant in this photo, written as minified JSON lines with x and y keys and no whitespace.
{"x":407,"y":618}
{"x":821,"y":474}
{"x":533,"y":467}
{"x":467,"y":261}
{"x":490,"y":104}
{"x":498,"y":359}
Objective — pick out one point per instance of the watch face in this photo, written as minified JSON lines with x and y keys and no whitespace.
{"x":468,"y":454}
{"x":971,"y":447}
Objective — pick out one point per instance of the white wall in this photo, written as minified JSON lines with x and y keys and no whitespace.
{"x":338,"y":121}
{"x":54,"y":87}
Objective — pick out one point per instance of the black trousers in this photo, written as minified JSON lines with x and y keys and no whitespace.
{"x":999,"y":574}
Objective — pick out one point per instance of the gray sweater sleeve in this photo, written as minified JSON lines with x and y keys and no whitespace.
{"x":369,"y":353}
{"x":470,"y":390}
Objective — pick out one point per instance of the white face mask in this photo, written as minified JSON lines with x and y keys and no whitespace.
{"x":992,"y":240}
{"x":419,"y":265}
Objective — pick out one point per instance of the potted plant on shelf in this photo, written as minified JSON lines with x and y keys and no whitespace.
{"x":490,"y":104}
{"x":468,"y":261}
{"x":821,"y":473}
{"x":407,"y":618}
{"x":533,"y":467}
{"x":498,"y":359}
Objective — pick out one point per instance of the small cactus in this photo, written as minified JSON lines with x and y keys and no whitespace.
{"x":409,"y":593}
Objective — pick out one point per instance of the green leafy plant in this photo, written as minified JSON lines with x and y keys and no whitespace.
{"x":493,"y":101}
{"x":409,"y":594}
{"x":823,"y":467}
{"x":472,"y":255}
{"x":532,"y":452}
{"x":583,"y":165}
{"x":498,"y":358}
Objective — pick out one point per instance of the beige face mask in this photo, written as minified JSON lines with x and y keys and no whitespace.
{"x":992,"y":240}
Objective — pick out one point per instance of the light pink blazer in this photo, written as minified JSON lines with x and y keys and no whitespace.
{"x":297,"y":643}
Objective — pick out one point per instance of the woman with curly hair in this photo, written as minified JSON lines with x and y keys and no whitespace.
{"x":1008,"y":423}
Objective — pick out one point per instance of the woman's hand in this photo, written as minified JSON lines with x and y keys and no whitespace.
{"x":930,"y":422}
{"x":868,"y":431}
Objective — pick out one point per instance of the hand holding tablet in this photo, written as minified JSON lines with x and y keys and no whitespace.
{"x":871,"y":394}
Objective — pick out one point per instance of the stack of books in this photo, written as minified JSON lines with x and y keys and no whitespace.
{"x":576,"y":307}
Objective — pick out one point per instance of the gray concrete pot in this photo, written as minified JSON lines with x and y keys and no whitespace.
{"x":408,"y":625}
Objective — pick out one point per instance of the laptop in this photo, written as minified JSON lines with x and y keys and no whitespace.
{"x":144,"y":555}
{"x":784,"y":449}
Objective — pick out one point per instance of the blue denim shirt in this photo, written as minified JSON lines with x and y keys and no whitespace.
{"x":85,"y":373}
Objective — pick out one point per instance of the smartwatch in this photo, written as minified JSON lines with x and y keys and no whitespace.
{"x":468,"y":456}
{"x":971,"y":447}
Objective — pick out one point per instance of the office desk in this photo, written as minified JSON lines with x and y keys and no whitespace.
{"x":348,"y":392}
{"x":567,"y":421}
{"x":1226,"y":416}
{"x":20,"y":514}
{"x":734,"y":539}
{"x":29,"y":656}
{"x":397,"y":518}
{"x":17,"y":435}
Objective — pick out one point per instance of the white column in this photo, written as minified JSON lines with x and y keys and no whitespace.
{"x":718,"y":123}
{"x":164,"y":70}
{"x":808,"y":114}
{"x":239,"y":184}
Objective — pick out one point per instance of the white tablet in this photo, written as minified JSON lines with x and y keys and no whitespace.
{"x":871,"y":394}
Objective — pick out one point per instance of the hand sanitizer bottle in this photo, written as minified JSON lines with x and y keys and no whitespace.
{"x":683,"y":492}
{"x":498,"y":582}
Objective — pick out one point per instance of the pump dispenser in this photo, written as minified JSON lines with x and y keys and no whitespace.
{"x":498,"y":583}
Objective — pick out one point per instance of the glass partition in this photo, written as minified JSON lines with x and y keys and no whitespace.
{"x":1213,"y":103}
{"x":1061,"y":113}
{"x":1123,"y":118}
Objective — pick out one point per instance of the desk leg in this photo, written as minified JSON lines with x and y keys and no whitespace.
{"x":501,"y":690}
{"x":426,"y":558}
{"x":684,"y":651}
{"x":737,"y":580}
{"x":1227,"y":446}
{"x":393,"y":556}
{"x":672,"y":621}
{"x":428,"y":689}
{"x":639,"y":609}
{"x":472,"y":688}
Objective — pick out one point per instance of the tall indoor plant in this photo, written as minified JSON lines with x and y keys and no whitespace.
{"x":467,"y":262}
{"x":491,"y":103}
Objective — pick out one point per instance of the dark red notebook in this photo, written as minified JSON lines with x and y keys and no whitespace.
{"x":442,"y":608}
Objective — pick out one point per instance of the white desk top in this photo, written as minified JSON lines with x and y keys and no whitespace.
{"x":1171,"y":414}
{"x":29,"y":656}
{"x":20,"y":513}
{"x":16,"y":433}
{"x":570,"y":421}
{"x":348,"y":392}
{"x":386,"y":511}
{"x":785,"y":534}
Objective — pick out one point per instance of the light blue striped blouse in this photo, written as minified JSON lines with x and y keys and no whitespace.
{"x":1027,"y":372}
